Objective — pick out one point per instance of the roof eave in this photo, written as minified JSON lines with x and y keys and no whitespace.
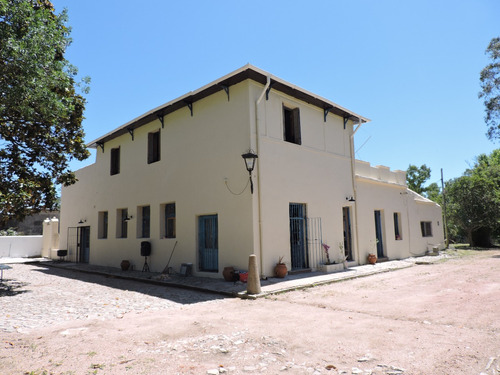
{"x":246,"y":72}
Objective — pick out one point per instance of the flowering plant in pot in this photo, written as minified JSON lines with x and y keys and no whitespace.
{"x":280,"y":269}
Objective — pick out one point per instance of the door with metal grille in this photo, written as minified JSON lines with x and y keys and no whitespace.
{"x":208,"y":243}
{"x":79,"y":244}
{"x":298,"y":230}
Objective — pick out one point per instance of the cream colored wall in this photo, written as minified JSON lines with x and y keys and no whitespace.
{"x":379,"y":188}
{"x":388,"y":199}
{"x":201,"y":153}
{"x":197,"y":154}
{"x":317,"y":173}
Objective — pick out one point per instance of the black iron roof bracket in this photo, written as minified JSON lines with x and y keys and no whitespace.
{"x":345,"y":121}
{"x":326,"y":111}
{"x":190,"y":106}
{"x":226,"y":89}
{"x":160,"y":117}
{"x":101,"y":145}
{"x":131,"y":132}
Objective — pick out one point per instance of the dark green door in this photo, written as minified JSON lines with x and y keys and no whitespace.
{"x":208,"y":243}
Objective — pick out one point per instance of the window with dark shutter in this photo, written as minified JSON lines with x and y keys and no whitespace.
{"x":170,"y":220}
{"x":153,"y":147}
{"x":146,"y":218}
{"x":291,"y":125}
{"x":426,"y":228}
{"x":115,"y":161}
{"x":397,"y":226}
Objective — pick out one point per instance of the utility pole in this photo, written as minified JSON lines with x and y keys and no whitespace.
{"x":445,"y":220}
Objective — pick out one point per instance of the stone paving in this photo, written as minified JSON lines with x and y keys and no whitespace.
{"x":35,"y":295}
{"x":43,"y":293}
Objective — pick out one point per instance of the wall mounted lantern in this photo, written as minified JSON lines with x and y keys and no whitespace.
{"x":82,"y":221}
{"x":128,"y":218}
{"x":350,"y":199}
{"x":250,"y":158}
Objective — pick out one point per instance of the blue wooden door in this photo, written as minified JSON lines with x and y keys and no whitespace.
{"x":298,"y":235}
{"x":208,"y":243}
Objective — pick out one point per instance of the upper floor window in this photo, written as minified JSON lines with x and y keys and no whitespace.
{"x":153,"y":147}
{"x":426,"y":227}
{"x":291,"y":125}
{"x":115,"y":161}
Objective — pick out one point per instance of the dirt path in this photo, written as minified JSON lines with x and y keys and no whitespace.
{"x":427,"y":319}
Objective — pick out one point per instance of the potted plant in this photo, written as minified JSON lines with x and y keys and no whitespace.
{"x":125,"y":265}
{"x":330,"y":266}
{"x":280,"y":269}
{"x":372,"y":256}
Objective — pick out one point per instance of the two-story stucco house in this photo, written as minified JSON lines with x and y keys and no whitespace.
{"x":175,"y":176}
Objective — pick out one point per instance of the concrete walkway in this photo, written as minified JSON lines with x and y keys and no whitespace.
{"x":219,"y":286}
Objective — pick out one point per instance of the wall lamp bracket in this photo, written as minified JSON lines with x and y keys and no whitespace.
{"x":250,"y":158}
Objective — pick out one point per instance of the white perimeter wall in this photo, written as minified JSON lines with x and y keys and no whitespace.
{"x":21,"y":246}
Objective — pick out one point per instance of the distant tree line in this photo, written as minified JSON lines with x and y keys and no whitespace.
{"x":472,"y":200}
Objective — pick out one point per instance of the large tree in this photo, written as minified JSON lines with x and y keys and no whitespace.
{"x":490,"y":89}
{"x":416,"y":177}
{"x":41,"y":108}
{"x":473,"y":207}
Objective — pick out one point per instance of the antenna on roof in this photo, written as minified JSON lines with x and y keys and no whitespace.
{"x":364,"y":143}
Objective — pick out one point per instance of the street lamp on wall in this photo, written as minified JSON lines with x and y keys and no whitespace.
{"x":250,"y":158}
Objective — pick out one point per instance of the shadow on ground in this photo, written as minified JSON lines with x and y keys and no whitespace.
{"x":11,"y":287}
{"x":171,"y":293}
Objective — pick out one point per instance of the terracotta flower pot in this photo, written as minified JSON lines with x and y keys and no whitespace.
{"x":125,"y":265}
{"x":280,"y":270}
{"x":228,"y":273}
{"x":372,"y":258}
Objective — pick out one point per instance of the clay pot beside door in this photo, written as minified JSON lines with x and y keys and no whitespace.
{"x":372,"y":258}
{"x":280,"y":270}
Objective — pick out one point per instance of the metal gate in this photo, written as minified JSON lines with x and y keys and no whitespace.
{"x":73,"y":241}
{"x":315,"y":242}
{"x":208,"y":243}
{"x":298,"y":244}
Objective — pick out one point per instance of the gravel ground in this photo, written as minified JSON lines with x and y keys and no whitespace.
{"x":427,"y":319}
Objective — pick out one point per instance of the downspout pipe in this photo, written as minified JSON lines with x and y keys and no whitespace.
{"x":257,"y":144}
{"x":353,"y":176}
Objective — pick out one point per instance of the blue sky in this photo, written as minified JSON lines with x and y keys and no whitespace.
{"x":412,"y":67}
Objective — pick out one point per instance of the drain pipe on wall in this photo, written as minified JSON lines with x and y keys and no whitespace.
{"x":257,"y":143}
{"x":353,"y":172}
